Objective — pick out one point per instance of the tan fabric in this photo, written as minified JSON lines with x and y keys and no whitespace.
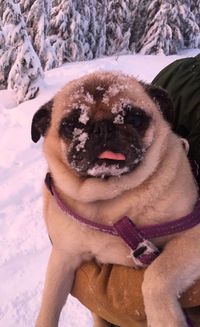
{"x":114,"y":293}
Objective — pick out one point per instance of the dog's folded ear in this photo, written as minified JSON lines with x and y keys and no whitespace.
{"x":163,"y":99}
{"x":41,"y":121}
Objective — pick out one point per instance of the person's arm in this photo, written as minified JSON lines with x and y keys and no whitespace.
{"x":114,"y":293}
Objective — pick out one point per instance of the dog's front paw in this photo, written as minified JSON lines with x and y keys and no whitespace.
{"x":166,"y":321}
{"x":161,"y":304}
{"x":42,"y":322}
{"x":99,"y":322}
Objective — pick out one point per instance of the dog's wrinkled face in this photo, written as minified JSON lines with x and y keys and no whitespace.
{"x":105,"y":122}
{"x":109,"y":145}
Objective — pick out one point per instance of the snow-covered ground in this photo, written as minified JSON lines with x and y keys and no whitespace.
{"x":24,"y":244}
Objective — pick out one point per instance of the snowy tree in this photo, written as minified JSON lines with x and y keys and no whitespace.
{"x":97,"y":27}
{"x":25,"y":6}
{"x":157,"y":37}
{"x":138,"y":11}
{"x":37,"y":22}
{"x":79,"y":30}
{"x":60,"y":31}
{"x":195,"y":8}
{"x":70,"y":30}
{"x":184,"y":20}
{"x":82,"y":35}
{"x":2,"y":9}
{"x":91,"y":28}
{"x":20,"y":67}
{"x":37,"y":17}
{"x":117,"y":27}
{"x":24,"y":76}
{"x":3,"y":82}
{"x":170,"y":27}
{"x":2,"y":35}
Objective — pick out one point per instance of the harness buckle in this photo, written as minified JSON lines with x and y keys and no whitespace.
{"x":144,"y":253}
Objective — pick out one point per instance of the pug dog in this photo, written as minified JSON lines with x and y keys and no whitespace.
{"x":111,"y":152}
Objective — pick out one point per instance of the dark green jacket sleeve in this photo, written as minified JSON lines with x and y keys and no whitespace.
{"x":182,"y":81}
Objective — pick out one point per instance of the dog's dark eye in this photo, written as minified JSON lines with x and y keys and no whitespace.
{"x":68,"y":124}
{"x":135,"y":116}
{"x":67,"y":127}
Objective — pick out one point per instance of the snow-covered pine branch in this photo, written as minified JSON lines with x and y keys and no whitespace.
{"x":170,"y":26}
{"x":117,"y":27}
{"x":20,"y":68}
{"x":37,"y":22}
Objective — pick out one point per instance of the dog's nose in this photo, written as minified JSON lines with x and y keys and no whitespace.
{"x":103,"y":129}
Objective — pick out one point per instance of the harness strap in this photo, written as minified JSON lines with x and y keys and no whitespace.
{"x":101,"y":227}
{"x":149,"y":232}
{"x":144,"y":251}
{"x":137,"y":238}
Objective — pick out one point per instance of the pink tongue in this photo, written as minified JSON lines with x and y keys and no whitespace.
{"x":111,"y":155}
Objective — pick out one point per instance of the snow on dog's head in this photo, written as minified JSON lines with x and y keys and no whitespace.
{"x":102,"y":127}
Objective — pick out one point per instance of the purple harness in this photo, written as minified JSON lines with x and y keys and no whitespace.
{"x":137,"y":238}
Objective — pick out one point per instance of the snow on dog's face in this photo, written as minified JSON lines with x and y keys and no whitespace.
{"x":104,"y":131}
{"x":102,"y":125}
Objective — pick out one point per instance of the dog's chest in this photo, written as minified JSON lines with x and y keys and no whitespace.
{"x":82,"y":240}
{"x":86,"y":242}
{"x":109,"y":249}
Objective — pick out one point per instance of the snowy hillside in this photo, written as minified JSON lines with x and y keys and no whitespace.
{"x":24,"y":244}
